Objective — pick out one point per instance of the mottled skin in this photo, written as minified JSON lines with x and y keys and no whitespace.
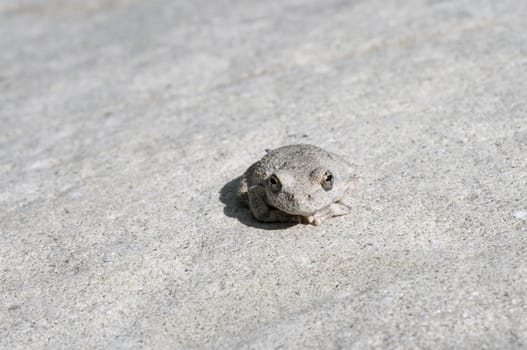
{"x":297,"y":183}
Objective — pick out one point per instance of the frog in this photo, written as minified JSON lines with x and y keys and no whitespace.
{"x":298,"y":183}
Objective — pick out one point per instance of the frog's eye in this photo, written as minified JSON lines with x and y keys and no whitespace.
{"x":327,"y":180}
{"x":275,"y":184}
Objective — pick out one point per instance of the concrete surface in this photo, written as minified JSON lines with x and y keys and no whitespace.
{"x":123,"y":122}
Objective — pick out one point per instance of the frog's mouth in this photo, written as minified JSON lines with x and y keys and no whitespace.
{"x":295,"y":211}
{"x":301,"y":213}
{"x":305,"y":212}
{"x":298,"y":205}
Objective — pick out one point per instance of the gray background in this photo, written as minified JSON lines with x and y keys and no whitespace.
{"x":122,"y":121}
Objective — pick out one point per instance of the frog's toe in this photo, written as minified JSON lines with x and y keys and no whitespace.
{"x":317,"y":221}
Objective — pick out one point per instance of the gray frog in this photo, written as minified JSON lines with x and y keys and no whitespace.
{"x":297,"y":183}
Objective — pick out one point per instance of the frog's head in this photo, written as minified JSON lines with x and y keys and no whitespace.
{"x":303,"y":194}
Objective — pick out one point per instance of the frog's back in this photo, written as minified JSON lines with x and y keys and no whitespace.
{"x":293,"y":156}
{"x":299,"y":157}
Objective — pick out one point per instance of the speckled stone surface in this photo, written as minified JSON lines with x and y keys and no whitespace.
{"x":123,"y":123}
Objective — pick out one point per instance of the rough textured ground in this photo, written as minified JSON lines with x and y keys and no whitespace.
{"x":123,"y":122}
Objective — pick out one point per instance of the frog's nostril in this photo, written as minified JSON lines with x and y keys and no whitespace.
{"x":291,"y":196}
{"x":309,"y":197}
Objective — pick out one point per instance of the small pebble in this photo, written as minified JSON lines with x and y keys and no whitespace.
{"x":520,"y":214}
